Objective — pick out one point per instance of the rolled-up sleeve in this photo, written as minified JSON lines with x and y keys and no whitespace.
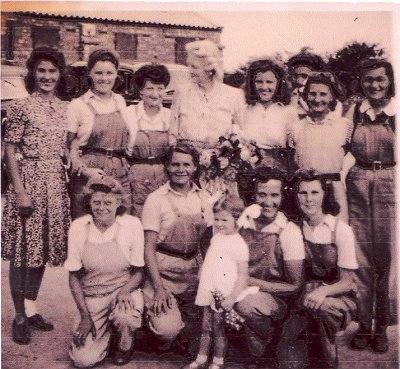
{"x":151,"y":216}
{"x":137,"y":251}
{"x":292,"y":243}
{"x":74,"y":258}
{"x":345,"y":242}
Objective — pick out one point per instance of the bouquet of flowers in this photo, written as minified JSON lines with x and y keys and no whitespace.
{"x":219,"y":167}
{"x":232,"y":319}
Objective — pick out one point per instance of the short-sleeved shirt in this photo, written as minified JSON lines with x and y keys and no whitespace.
{"x":81,"y":117}
{"x":290,"y":237}
{"x":126,"y":230}
{"x":158,"y":214}
{"x":269,"y":127}
{"x":320,"y":145}
{"x":345,"y":240}
{"x":204,"y":117}
{"x":141,"y":121}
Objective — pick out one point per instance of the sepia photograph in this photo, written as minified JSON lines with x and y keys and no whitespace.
{"x":199,"y":185}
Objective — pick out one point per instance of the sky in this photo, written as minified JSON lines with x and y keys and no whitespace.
{"x":253,"y":34}
{"x":271,"y":27}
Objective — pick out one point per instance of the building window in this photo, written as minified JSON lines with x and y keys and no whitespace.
{"x":126,"y":45}
{"x":7,"y":41}
{"x":180,"y":51}
{"x":45,"y":36}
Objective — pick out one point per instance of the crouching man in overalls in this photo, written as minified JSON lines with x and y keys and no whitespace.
{"x":174,"y":218}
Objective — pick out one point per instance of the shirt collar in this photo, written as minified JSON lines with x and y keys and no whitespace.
{"x":389,"y":109}
{"x":141,"y":113}
{"x":329,"y":221}
{"x":280,"y":221}
{"x":120,"y":219}
{"x":330,"y":117}
{"x":167,"y":188}
{"x":89,"y":95}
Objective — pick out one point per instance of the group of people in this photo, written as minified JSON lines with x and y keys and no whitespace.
{"x":149,"y":245}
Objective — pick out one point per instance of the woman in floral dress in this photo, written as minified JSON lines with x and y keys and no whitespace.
{"x":36,"y":212}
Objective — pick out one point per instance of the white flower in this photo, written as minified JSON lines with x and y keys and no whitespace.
{"x":205,"y":157}
{"x":245,"y":154}
{"x":223,"y":162}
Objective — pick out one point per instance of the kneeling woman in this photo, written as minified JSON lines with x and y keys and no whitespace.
{"x":105,"y":257}
{"x":330,"y":260}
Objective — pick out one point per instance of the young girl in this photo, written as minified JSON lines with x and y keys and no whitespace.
{"x":225,"y":269}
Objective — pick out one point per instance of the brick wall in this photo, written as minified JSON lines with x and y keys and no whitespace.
{"x":157,"y":42}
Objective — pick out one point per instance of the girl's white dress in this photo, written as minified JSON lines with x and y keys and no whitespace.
{"x":219,"y":270}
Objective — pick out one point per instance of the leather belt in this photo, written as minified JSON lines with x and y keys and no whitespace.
{"x":375,"y":165}
{"x":164,"y":250}
{"x":150,"y":160}
{"x":110,"y":153}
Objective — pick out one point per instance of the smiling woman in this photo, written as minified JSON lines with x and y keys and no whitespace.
{"x":36,"y":211}
{"x":99,"y":130}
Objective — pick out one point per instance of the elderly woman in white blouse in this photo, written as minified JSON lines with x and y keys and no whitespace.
{"x":205,"y":109}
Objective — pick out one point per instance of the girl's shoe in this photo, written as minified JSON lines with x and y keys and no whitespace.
{"x":216,"y":366}
{"x":20,"y":331}
{"x":195,"y":365}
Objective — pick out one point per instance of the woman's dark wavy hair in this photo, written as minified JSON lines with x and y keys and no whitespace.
{"x":157,"y":74}
{"x":57,"y":59}
{"x":329,"y":204}
{"x":262,"y":66}
{"x":102,"y":187}
{"x":337,"y":89}
{"x":369,"y":64}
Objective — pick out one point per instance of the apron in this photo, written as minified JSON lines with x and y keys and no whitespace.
{"x":147,"y":172}
{"x":106,"y":268}
{"x":178,"y":256}
{"x":109,"y":132}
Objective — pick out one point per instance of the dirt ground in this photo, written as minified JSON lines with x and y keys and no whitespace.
{"x":50,"y":349}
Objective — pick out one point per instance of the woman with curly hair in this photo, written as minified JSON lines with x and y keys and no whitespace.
{"x":36,"y":211}
{"x":99,"y":130}
{"x":205,"y":109}
{"x":371,"y":196}
{"x":320,"y":138}
{"x":151,"y":142}
{"x":267,"y":120}
{"x":331,"y":263}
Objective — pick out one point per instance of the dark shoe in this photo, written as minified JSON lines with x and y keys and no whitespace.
{"x":38,"y":322}
{"x":379,"y":343}
{"x":21,"y":334}
{"x":361,"y":340}
{"x":122,"y":357}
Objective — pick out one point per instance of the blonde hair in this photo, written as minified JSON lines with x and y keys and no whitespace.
{"x":209,"y":54}
{"x":230,"y":203}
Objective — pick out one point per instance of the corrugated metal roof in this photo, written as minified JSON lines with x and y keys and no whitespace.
{"x":176,"y":19}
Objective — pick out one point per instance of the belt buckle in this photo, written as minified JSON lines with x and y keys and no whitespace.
{"x":109,"y":153}
{"x":151,"y":157}
{"x":376,"y":165}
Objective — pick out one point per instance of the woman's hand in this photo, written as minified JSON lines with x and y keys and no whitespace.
{"x":162,"y":301}
{"x":24,"y":204}
{"x":86,"y":326}
{"x":314,"y":299}
{"x":124,"y":302}
{"x":227,"y":303}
